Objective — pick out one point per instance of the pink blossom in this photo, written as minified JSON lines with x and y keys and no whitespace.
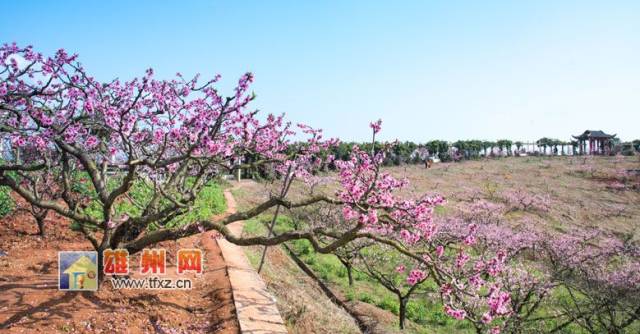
{"x":461,"y":259}
{"x":376,"y":126}
{"x":498,"y":301}
{"x":469,"y":240}
{"x":446,"y":289}
{"x":46,"y":120}
{"x":91,"y":142}
{"x":476,"y":281}
{"x":455,"y":313}
{"x":416,"y":276}
{"x":487,"y":318}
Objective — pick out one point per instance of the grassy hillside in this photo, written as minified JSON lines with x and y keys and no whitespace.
{"x":581,"y":192}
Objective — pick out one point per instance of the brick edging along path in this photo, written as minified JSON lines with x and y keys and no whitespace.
{"x":255,"y":307}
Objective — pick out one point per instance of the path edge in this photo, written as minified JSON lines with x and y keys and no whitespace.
{"x":256,"y":309}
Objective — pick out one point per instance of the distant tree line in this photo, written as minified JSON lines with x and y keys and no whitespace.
{"x":409,"y":152}
{"x":416,"y":153}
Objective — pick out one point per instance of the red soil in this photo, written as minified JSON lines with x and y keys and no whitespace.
{"x":31,"y":303}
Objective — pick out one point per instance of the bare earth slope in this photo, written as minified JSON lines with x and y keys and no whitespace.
{"x":31,"y":303}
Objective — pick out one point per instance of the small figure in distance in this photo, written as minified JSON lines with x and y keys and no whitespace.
{"x":428,"y":162}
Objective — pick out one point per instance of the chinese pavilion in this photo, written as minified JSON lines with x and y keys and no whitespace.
{"x":599,"y":142}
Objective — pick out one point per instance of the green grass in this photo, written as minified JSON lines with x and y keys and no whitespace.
{"x":428,"y":316}
{"x":6,"y":202}
{"x":577,"y":200}
{"x":209,"y":202}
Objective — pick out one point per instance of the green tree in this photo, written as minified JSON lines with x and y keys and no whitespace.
{"x":475,"y":146}
{"x":439,"y":148}
{"x":487,"y":146}
{"x":544,"y":142}
{"x":504,"y":144}
{"x":518,"y":145}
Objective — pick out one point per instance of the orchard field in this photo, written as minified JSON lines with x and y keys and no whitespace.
{"x":576,"y":191}
{"x":576,"y":194}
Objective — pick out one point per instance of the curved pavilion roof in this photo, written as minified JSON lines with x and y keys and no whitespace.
{"x":594,"y":134}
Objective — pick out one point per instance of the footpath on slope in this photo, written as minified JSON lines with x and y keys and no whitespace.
{"x":256,"y":308}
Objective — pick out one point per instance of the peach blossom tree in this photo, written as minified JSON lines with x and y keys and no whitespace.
{"x":156,"y":144}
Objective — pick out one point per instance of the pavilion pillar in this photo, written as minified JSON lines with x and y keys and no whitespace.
{"x":579,"y":148}
{"x":600,"y":148}
{"x":585,"y":147}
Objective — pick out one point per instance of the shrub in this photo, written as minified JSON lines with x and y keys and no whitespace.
{"x":6,"y":202}
{"x":439,"y":318}
{"x":389,"y":303}
{"x":210,"y":201}
{"x":365,"y":297}
{"x":417,"y":312}
{"x":350,"y":295}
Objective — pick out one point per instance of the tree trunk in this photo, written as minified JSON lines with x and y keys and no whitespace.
{"x":347,"y":265}
{"x":100,"y":259}
{"x":403,"y":310}
{"x":40,"y":222}
{"x":283,"y":192}
{"x":108,"y":242}
{"x":271,"y":227}
{"x":40,"y":215}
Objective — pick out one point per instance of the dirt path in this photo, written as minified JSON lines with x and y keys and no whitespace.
{"x":31,"y":303}
{"x":256,"y":307}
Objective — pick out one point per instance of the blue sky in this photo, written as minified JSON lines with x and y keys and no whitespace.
{"x":430,"y":69}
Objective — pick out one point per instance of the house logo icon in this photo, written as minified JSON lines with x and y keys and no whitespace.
{"x":78,"y":271}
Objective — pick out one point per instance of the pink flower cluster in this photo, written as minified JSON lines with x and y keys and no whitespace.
{"x":498,"y":301}
{"x":376,"y":126}
{"x":455,"y":313}
{"x":416,"y":276}
{"x":368,"y":192}
{"x":520,"y":199}
{"x":52,"y":101}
